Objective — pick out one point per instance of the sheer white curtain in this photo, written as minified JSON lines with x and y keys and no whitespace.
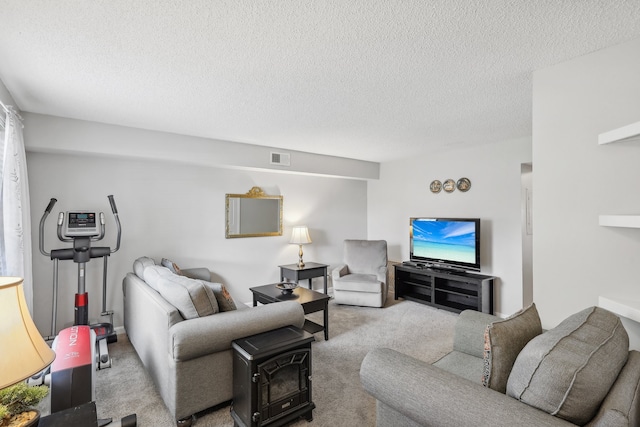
{"x":15,"y":211}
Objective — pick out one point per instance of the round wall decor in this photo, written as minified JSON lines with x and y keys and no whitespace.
{"x":435,"y":186}
{"x":449,"y":185}
{"x":463,"y":184}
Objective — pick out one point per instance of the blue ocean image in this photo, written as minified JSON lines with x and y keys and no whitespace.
{"x":445,"y":240}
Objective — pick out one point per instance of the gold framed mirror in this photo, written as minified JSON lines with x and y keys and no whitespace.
{"x":254,"y":214}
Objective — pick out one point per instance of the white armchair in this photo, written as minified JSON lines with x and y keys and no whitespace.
{"x":363,"y":278}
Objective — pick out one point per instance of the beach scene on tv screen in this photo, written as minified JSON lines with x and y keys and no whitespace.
{"x":445,"y":240}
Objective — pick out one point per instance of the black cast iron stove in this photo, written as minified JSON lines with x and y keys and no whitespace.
{"x":272,"y":378}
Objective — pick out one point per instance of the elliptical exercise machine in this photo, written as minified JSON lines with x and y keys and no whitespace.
{"x":82,"y":348}
{"x":82,"y":228}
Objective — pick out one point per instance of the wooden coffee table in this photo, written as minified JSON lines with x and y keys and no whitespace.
{"x":310,"y":300}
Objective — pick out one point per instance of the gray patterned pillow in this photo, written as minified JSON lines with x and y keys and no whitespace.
{"x":225,"y":301}
{"x":503,"y":341}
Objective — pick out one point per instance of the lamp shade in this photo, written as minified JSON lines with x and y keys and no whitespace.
{"x":23,"y":351}
{"x":300,"y":235}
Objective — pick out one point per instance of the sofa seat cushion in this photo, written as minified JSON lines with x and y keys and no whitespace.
{"x":503,"y":341}
{"x":462,"y":364}
{"x":358,"y":283}
{"x":568,"y":370}
{"x":191,"y":297}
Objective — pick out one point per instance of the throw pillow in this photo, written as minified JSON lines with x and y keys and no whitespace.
{"x":225,"y":301}
{"x":503,"y":341}
{"x":153,"y":273}
{"x":568,"y":370}
{"x":190,"y":297}
{"x":140,"y":264}
{"x":172,"y":266}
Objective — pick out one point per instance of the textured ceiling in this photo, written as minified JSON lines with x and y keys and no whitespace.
{"x":365,"y":79}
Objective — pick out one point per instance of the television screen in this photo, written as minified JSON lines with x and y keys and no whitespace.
{"x":446,"y":242}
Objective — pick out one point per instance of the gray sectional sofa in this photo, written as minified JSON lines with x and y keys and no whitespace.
{"x":508,"y":372}
{"x":182,"y":326}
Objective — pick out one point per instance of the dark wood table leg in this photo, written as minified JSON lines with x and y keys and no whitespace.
{"x":326,"y":320}
{"x":325,"y":281}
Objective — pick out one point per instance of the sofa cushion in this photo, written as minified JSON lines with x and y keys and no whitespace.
{"x":191,"y":297}
{"x":152,"y":274}
{"x":358,"y":283}
{"x":462,"y":364}
{"x":468,"y":336}
{"x":365,"y":256}
{"x":225,"y":301}
{"x":140,"y":264}
{"x":503,"y":341}
{"x":568,"y":370}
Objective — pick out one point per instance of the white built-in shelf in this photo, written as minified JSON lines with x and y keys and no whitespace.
{"x":625,"y":307}
{"x":628,"y":221}
{"x":625,"y":133}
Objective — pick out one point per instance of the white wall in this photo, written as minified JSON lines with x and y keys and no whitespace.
{"x":58,"y":134}
{"x":5,"y":96}
{"x":576,"y":180}
{"x":176,"y":210}
{"x":494,"y":197}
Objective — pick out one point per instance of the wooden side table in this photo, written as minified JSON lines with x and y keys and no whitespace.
{"x":309,"y":271}
{"x":310,"y":300}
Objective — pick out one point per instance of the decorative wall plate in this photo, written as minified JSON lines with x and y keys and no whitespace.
{"x":463,"y":184}
{"x":449,"y":185}
{"x":435,"y":186}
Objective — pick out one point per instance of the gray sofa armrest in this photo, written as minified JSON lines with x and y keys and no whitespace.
{"x":205,"y":335}
{"x":198,"y":273}
{"x":382,"y":274}
{"x":339,"y":271}
{"x":621,"y":407}
{"x":431,"y":396}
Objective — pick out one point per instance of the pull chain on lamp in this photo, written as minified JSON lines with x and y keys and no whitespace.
{"x":24,"y":351}
{"x":300,"y":236}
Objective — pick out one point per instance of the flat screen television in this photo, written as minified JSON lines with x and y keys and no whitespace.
{"x":448,"y":243}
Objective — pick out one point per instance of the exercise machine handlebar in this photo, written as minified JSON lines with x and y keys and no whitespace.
{"x":47,"y":211}
{"x":114,"y":209}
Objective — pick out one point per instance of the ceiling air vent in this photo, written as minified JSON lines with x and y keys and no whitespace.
{"x":282,"y":159}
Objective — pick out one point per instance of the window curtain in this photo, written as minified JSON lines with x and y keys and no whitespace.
{"x":15,"y":211}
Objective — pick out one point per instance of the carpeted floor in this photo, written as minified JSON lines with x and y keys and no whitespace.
{"x":415,"y":329}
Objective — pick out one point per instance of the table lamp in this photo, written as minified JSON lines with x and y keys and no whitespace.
{"x":24,"y":352}
{"x":300,"y":236}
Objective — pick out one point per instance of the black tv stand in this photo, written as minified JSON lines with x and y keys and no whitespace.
{"x":447,"y":289}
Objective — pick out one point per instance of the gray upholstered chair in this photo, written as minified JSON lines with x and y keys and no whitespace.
{"x":509,"y":372}
{"x":363,"y":278}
